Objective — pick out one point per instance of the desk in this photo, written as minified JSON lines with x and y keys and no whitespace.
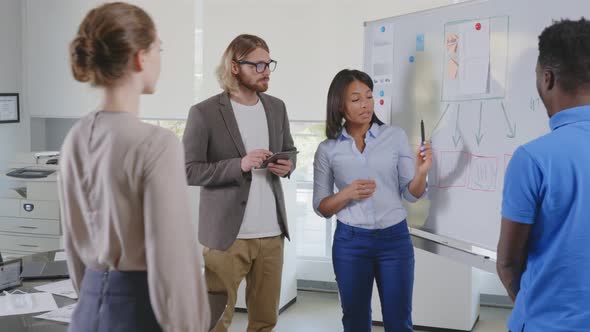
{"x":27,"y":323}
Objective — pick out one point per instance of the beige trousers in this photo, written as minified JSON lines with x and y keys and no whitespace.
{"x":260,"y":261}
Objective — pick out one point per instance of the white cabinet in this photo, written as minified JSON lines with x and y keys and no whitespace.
{"x":446,"y":294}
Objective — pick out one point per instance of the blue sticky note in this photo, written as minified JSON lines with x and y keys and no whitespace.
{"x":420,"y":43}
{"x":382,"y":29}
{"x":412,"y":59}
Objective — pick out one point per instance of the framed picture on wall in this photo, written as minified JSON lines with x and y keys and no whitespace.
{"x":9,"y":108}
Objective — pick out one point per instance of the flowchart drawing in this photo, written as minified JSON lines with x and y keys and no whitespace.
{"x":452,"y":169}
{"x":483,"y":173}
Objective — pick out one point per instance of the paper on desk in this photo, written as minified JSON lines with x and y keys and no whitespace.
{"x":60,"y":256}
{"x":21,"y":304}
{"x":63,"y":314}
{"x":61,"y":288}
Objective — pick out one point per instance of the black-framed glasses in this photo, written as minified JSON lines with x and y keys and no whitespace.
{"x":260,"y":66}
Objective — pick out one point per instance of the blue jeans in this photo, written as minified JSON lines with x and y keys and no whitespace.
{"x":386,"y":255}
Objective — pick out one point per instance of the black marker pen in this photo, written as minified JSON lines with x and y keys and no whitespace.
{"x":422,"y":132}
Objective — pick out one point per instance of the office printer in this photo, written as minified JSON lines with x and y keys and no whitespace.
{"x":28,"y":159}
{"x":29,"y":206}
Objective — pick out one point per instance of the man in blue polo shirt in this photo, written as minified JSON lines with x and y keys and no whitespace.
{"x":544,"y":247}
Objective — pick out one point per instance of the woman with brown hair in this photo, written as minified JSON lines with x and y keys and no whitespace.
{"x":373,"y":167}
{"x":131,"y":246}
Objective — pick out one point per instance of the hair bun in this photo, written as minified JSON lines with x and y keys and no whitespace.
{"x":82,"y":54}
{"x":107,"y":40}
{"x":82,"y":47}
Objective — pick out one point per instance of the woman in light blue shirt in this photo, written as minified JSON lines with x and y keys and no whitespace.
{"x":373,"y":167}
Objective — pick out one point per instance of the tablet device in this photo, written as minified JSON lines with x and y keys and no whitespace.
{"x":277,"y":156}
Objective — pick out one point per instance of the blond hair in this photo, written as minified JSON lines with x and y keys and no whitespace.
{"x":237,"y":50}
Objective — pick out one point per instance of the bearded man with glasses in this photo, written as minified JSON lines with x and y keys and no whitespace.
{"x":242,"y":218}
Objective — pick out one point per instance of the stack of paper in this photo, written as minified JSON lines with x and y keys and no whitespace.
{"x":61,"y":288}
{"x":22,"y":304}
{"x":60,"y":256}
{"x":63,"y":314}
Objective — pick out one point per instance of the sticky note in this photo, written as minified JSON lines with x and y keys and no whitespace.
{"x":420,"y":43}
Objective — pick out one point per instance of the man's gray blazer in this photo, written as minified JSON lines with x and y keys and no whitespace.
{"x":214,"y":151}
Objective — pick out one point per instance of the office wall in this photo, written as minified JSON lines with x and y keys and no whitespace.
{"x":50,"y":27}
{"x":49,"y":134}
{"x":38,"y":134}
{"x":13,"y":137}
{"x":311,"y":40}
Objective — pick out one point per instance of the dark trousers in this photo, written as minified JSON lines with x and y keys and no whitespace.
{"x":360,"y":257}
{"x":114,"y":301}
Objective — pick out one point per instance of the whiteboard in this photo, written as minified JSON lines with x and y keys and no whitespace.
{"x":476,"y":115}
{"x":52,"y":92}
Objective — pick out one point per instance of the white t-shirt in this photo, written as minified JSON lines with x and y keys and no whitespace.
{"x":260,"y":219}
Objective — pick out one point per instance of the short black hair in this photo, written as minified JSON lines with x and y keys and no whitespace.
{"x":564,"y":48}
{"x":335,"y":107}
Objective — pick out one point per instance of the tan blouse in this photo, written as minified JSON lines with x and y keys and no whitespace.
{"x":124,"y":204}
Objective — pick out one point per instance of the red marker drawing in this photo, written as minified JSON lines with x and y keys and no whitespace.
{"x":478,"y":26}
{"x":381,"y":102}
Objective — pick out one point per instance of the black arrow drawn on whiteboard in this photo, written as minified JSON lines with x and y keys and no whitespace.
{"x":511,"y":128}
{"x":457,"y":135}
{"x":479,"y":136}
{"x":441,"y":117}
